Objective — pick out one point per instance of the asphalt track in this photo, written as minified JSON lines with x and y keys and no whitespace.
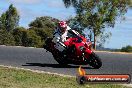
{"x":39,"y":59}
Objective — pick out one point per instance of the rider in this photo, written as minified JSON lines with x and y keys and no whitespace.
{"x":60,"y":36}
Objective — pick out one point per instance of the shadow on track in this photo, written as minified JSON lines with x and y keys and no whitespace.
{"x":55,"y":65}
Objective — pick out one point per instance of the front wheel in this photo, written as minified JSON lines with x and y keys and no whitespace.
{"x":95,"y":61}
{"x":59,"y":59}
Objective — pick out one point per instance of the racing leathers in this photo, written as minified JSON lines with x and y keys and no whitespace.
{"x":59,"y":38}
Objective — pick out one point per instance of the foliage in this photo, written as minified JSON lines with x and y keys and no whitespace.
{"x":40,"y":29}
{"x":12,"y":34}
{"x":74,"y":24}
{"x":130,"y":3}
{"x":44,"y":22}
{"x":44,"y":26}
{"x":25,"y":37}
{"x":2,"y":21}
{"x":19,"y":34}
{"x":32,"y":39}
{"x":43,"y":33}
{"x":69,"y":3}
{"x":6,"y":38}
{"x":96,"y":15}
{"x":128,"y":48}
{"x":102,"y":38}
{"x":10,"y":19}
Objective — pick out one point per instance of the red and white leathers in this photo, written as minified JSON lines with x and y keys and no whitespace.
{"x":59,"y":38}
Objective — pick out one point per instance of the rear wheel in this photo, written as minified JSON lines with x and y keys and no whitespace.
{"x":95,"y":61}
{"x":60,"y":59}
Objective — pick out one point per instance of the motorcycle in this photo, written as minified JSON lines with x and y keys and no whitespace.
{"x":78,"y":52}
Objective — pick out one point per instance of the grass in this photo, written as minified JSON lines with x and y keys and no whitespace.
{"x":14,"y":78}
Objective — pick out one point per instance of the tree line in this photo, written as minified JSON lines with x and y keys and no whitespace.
{"x":12,"y":34}
{"x":91,"y":15}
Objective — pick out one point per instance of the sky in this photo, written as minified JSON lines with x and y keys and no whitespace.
{"x":30,"y":9}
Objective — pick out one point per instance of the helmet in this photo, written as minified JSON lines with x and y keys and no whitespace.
{"x":62,"y":26}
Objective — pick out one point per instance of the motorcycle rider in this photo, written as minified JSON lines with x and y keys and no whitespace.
{"x":60,"y":36}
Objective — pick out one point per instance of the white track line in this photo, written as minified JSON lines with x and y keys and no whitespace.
{"x":36,"y":71}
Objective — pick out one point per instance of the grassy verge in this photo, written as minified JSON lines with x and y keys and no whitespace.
{"x":12,"y":78}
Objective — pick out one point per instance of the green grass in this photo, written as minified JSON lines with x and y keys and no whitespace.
{"x":12,"y":78}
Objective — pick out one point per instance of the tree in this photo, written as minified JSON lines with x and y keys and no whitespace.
{"x":24,"y":37}
{"x":69,"y":3}
{"x":130,"y":3}
{"x":33,"y":39}
{"x":128,"y":48}
{"x":95,"y":15}
{"x":0,"y":24}
{"x":44,"y":26}
{"x":44,"y":22}
{"x":43,"y":33}
{"x":6,"y":38}
{"x":3,"y":21}
{"x":19,"y":36}
{"x":10,"y":19}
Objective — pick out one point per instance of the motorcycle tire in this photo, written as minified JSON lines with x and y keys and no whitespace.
{"x":95,"y":61}
{"x":60,"y":60}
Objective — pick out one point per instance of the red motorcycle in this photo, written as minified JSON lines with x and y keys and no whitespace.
{"x":78,"y":52}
